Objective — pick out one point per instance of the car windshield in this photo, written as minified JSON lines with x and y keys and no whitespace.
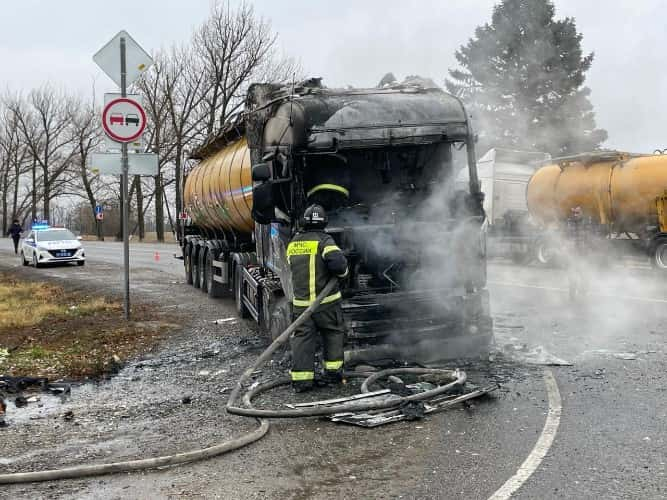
{"x":55,"y":235}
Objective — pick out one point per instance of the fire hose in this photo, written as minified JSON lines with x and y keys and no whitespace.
{"x":457,"y":378}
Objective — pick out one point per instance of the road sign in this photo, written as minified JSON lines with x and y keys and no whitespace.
{"x":136,"y":59}
{"x":99,"y":216}
{"x":98,"y":209}
{"x":123,"y":119}
{"x":183,"y":216}
{"x":110,"y":164}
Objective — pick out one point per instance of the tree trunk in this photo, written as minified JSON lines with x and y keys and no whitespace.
{"x":140,"y":208}
{"x":47,"y":194}
{"x":34,"y":189}
{"x":159,"y":208}
{"x":171,"y":220}
{"x":5,"y":186}
{"x":15,"y":199}
{"x":178,"y":171}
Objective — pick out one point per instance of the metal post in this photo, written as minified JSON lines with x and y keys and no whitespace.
{"x":126,"y":202}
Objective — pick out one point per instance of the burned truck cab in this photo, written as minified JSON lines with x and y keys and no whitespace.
{"x":383,"y":163}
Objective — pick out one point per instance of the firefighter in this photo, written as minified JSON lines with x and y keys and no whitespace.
{"x":15,"y":231}
{"x":314,"y":258}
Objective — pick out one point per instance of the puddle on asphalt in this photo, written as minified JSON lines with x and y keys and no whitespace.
{"x":46,"y":405}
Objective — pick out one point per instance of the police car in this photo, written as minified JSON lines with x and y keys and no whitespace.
{"x":50,"y":245}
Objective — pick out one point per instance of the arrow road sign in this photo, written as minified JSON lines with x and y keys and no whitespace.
{"x":137,"y":60}
{"x":98,"y":209}
{"x":123,"y":119}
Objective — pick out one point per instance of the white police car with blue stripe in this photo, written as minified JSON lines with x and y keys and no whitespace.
{"x":50,"y":245}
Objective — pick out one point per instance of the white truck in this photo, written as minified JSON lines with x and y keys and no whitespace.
{"x":504,"y":175}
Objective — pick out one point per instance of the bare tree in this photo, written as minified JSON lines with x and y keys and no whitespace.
{"x":159,"y":135}
{"x":234,"y":47}
{"x":45,"y":126}
{"x":87,"y":136}
{"x":14,"y":162}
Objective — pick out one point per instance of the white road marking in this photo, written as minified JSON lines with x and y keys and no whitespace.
{"x":565,"y":290}
{"x":541,"y":448}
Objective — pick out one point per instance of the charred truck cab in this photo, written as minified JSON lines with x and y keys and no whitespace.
{"x":382,"y":162}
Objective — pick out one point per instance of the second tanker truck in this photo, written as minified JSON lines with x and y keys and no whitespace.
{"x":382,"y":162}
{"x":624,"y":196}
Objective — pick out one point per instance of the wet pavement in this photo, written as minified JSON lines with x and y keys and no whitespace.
{"x":609,"y":442}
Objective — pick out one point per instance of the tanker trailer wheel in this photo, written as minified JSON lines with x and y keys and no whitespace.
{"x":187,"y":264}
{"x":194,"y":265}
{"x":545,"y":253}
{"x":201,"y":268}
{"x":215,"y":289}
{"x":241,"y":309}
{"x":659,"y":254}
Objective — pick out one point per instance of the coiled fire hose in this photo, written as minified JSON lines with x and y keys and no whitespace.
{"x":457,"y":377}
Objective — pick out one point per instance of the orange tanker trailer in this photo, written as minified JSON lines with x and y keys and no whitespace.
{"x":624,"y":195}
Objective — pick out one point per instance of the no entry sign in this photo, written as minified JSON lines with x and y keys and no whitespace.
{"x":123,"y":119}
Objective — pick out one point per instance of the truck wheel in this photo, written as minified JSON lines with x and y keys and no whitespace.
{"x":187,"y":264}
{"x":215,"y":289}
{"x":241,"y":309}
{"x":545,"y":253}
{"x":659,"y":254}
{"x":201,"y":267}
{"x":194,"y":265}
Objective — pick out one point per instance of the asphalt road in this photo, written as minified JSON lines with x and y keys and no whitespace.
{"x":595,"y":429}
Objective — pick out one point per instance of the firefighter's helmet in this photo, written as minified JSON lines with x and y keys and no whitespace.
{"x":315,"y":217}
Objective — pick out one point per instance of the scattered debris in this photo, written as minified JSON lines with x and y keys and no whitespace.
{"x":68,"y":415}
{"x":223,"y":320}
{"x":186,"y":400}
{"x":535,"y":356}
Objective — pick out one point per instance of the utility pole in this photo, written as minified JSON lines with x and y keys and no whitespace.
{"x":123,"y":190}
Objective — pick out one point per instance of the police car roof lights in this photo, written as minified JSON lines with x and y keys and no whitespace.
{"x":40,"y":224}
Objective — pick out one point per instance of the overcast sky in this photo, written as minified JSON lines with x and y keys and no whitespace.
{"x":352,"y":42}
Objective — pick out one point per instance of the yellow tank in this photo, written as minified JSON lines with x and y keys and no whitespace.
{"x":218,"y":191}
{"x":612,"y":188}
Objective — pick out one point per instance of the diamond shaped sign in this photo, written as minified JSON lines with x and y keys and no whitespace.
{"x":137,"y":61}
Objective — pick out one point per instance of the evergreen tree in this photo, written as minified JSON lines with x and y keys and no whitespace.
{"x":522,"y":77}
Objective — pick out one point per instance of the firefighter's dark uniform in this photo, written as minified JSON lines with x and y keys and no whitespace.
{"x":15,"y":231}
{"x":314,"y":258}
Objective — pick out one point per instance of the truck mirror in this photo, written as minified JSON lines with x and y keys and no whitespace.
{"x":261,"y":172}
{"x":263,"y":206}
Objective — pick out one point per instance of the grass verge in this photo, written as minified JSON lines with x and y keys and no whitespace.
{"x":47,"y":331}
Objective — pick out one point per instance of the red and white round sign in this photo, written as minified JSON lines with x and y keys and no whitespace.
{"x":123,"y":119}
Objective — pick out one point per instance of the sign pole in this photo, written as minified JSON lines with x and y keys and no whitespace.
{"x":123,"y":190}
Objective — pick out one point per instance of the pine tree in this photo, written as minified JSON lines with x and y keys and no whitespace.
{"x":522,"y":78}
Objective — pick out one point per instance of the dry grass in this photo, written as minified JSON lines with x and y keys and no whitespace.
{"x":48,"y":331}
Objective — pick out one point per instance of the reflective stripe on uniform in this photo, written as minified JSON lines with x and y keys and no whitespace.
{"x":306,"y":303}
{"x":300,"y":376}
{"x":309,"y":248}
{"x":329,"y":187}
{"x":330,"y":248}
{"x":333,"y":365}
